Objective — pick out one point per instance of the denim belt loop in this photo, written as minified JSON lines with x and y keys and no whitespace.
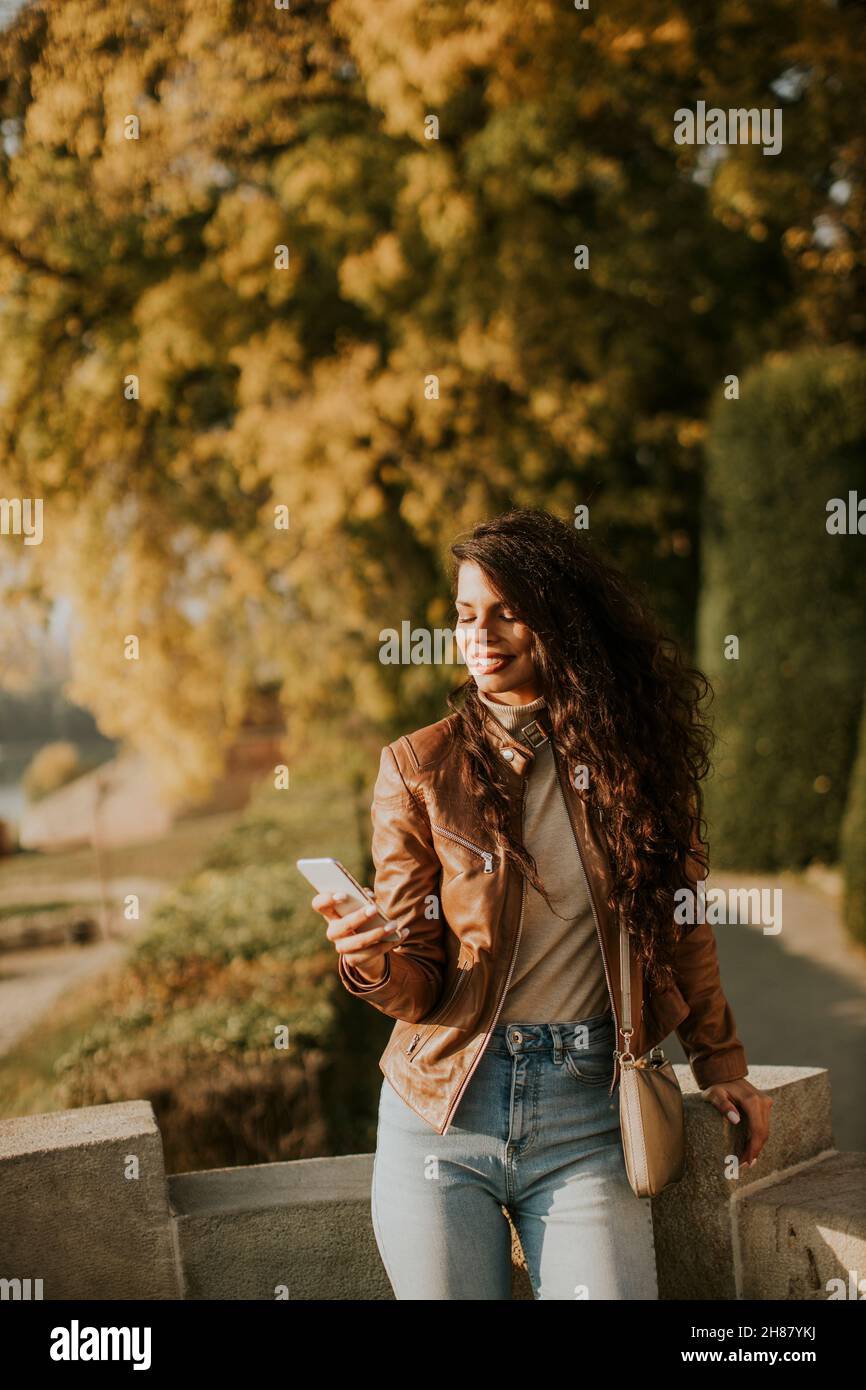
{"x":557,"y":1043}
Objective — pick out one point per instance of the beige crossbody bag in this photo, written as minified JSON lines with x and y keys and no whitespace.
{"x":650,"y":1105}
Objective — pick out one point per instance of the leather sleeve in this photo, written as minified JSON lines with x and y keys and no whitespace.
{"x":708,"y":1034}
{"x":406,"y":880}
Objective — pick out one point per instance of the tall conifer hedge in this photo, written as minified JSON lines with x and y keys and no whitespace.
{"x":853,"y":843}
{"x":787,"y":710}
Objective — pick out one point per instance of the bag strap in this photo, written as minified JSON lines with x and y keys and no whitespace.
{"x":625,"y":990}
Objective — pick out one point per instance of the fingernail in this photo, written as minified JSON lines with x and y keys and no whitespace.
{"x":733,"y":1117}
{"x":371,"y":910}
{"x":338,"y":897}
{"x":403,"y":931}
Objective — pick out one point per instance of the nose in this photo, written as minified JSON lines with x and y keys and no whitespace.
{"x":479,"y":637}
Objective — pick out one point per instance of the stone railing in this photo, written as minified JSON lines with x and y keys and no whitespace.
{"x":86,"y":1208}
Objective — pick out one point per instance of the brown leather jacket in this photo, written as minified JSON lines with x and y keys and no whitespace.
{"x":446,"y":981}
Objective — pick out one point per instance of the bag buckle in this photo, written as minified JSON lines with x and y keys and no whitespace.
{"x":654,"y":1059}
{"x":625,"y":1057}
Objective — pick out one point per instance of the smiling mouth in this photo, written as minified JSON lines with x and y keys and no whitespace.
{"x":488,"y":664}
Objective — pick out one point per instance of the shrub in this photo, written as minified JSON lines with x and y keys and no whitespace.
{"x":52,"y":767}
{"x":853,"y":843}
{"x":787,"y":711}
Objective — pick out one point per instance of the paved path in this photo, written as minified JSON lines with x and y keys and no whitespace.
{"x":33,"y":978}
{"x":31,"y":981}
{"x":799,"y":997}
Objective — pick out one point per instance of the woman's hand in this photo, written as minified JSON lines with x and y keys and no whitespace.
{"x":358,"y":936}
{"x":734,"y":1098}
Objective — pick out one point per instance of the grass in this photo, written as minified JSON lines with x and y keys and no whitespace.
{"x":170,"y":858}
{"x":31,"y":909}
{"x":28,"y":1076}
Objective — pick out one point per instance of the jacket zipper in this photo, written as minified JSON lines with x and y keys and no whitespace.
{"x":481,"y":1049}
{"x":413,"y":1047}
{"x":420,"y":1038}
{"x":594,"y":912}
{"x":461,"y":840}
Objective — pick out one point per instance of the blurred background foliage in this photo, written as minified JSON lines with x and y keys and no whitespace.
{"x":53,"y":766}
{"x":307,"y":387}
{"x":226,"y":1015}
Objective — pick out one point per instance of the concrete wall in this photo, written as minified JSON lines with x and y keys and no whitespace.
{"x":85,"y":1206}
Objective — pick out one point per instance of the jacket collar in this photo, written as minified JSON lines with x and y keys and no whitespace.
{"x":515,"y":750}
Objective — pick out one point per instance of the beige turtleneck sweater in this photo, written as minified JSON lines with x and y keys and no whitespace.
{"x":559,"y":972}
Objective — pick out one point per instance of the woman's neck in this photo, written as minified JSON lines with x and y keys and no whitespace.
{"x":512,"y":717}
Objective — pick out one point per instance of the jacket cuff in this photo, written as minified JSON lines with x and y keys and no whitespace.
{"x":710,"y":1071}
{"x":355,"y":982}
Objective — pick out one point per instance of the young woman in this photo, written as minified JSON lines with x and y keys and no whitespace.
{"x":559,"y":797}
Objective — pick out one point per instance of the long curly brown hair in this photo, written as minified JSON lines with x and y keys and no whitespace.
{"x":622,"y":701}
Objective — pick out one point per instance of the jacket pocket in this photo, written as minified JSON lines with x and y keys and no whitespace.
{"x":487,"y":855}
{"x":421,"y":1036}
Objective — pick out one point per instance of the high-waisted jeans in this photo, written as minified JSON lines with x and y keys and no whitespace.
{"x":535,"y":1131}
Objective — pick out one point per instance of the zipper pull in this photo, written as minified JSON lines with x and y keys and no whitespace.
{"x":413,"y":1044}
{"x":488,"y":861}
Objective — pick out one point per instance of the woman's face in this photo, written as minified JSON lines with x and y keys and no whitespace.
{"x":495,"y":647}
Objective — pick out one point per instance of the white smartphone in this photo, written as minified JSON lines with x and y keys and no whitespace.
{"x":330,"y":876}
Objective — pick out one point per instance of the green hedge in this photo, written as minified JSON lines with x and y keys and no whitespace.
{"x":787,"y":712}
{"x":853,"y":841}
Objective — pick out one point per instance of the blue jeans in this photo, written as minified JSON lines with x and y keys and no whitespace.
{"x":535,"y":1131}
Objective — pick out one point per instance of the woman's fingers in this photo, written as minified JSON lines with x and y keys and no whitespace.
{"x":353,"y":925}
{"x":355,"y":922}
{"x":757,"y":1110}
{"x":753,"y":1106}
{"x":360,"y":940}
{"x":327,"y":905}
{"x":360,"y":935}
{"x":724,"y":1103}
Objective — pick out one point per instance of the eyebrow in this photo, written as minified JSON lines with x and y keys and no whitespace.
{"x":468,"y":603}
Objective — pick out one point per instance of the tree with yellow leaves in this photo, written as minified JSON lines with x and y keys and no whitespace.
{"x":289,"y":297}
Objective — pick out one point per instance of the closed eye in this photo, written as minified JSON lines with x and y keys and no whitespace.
{"x":469,"y":617}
